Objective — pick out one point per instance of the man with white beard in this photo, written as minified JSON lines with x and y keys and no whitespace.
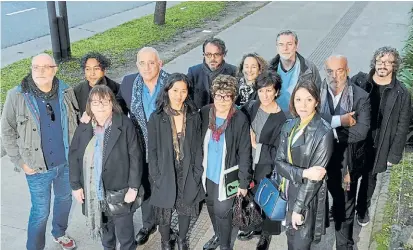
{"x":291,"y":66}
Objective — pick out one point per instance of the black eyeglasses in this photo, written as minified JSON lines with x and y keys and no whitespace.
{"x":50,"y":111}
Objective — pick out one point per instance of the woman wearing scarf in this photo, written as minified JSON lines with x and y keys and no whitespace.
{"x":105,"y":170}
{"x":175,"y":159}
{"x":94,"y":66}
{"x":250,"y":67}
{"x":226,"y":147}
{"x":266,"y":119}
{"x":306,"y":145}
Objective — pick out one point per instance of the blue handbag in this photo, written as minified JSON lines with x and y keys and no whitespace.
{"x":271,"y":199}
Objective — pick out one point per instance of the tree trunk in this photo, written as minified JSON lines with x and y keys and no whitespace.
{"x":160,"y":11}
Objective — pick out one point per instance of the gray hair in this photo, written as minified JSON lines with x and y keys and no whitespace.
{"x":387,"y":50}
{"x":288,"y":33}
{"x":149,"y":49}
{"x":44,"y":55}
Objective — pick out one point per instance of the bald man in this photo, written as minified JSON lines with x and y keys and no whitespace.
{"x":38,"y":122}
{"x":347,"y":108}
{"x":137,"y":97}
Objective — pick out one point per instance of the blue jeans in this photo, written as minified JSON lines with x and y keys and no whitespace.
{"x":40,"y":185}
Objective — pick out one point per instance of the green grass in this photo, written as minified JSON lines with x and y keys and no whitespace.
{"x":400,"y":173}
{"x":406,"y":72}
{"x":115,"y":42}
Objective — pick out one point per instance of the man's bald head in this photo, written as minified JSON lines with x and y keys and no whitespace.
{"x":336,"y":67}
{"x":43,"y":58}
{"x":149,"y":64}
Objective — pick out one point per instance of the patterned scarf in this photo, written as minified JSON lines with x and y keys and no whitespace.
{"x":346,"y":102}
{"x":137,"y":111}
{"x":29,"y":86}
{"x":178,"y":144}
{"x":216,"y":132}
{"x":245,"y":90}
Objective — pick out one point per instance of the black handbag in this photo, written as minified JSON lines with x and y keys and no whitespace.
{"x":116,"y":204}
{"x":246,"y":213}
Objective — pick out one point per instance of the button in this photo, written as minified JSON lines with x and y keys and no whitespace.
{"x":51,"y":152}
{"x":34,"y":129}
{"x":40,"y":168}
{"x":50,"y":140}
{"x":36,"y":149}
{"x":52,"y":164}
{"x":48,"y":125}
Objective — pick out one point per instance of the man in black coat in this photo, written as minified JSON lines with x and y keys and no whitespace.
{"x":346,"y":107}
{"x":202,"y":75}
{"x":390,"y":113}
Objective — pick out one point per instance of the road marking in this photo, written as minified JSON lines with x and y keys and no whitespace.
{"x":20,"y":11}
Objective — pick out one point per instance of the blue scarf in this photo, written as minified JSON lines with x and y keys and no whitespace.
{"x":137,"y":111}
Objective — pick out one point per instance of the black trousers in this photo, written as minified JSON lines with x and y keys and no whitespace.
{"x":220,"y":213}
{"x":183,"y":223}
{"x":344,"y":203}
{"x":367,"y":184}
{"x":296,"y":242}
{"x":148,"y":217}
{"x":121,"y":228}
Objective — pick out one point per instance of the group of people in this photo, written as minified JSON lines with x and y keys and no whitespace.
{"x":166,"y":142}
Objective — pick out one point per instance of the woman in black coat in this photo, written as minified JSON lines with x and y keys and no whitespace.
{"x":94,"y":66}
{"x":306,"y":145}
{"x":105,"y":169}
{"x":266,"y":119}
{"x":226,"y":158}
{"x":175,"y":158}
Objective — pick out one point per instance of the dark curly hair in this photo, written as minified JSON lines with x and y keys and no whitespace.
{"x":217,"y":42}
{"x":387,"y":50}
{"x":163,"y":97}
{"x":262,"y":64}
{"x":269,"y":78}
{"x":104,"y":62}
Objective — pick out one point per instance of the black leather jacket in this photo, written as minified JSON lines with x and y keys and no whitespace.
{"x":313,"y":148}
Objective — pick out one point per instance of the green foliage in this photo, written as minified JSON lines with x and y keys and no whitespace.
{"x":115,"y":42}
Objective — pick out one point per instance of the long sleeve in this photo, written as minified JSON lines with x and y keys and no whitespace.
{"x":75,"y":163}
{"x":359,"y":131}
{"x":198,"y":169}
{"x":121,"y":102}
{"x":310,"y":188}
{"x":136,"y":155}
{"x":283,"y":168}
{"x":397,"y":145}
{"x":152,"y":149}
{"x":9,"y":131}
{"x":244,"y":151}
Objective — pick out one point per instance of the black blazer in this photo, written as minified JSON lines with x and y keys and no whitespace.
{"x":202,"y":83}
{"x":313,"y":148}
{"x":82,"y":91}
{"x":238,"y":143}
{"x":162,"y":160}
{"x":122,"y":165}
{"x":269,"y":138}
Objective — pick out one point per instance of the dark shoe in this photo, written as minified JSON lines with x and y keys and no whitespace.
{"x":363,"y":220}
{"x":166,"y":245}
{"x":247,"y":235}
{"x":212,"y":244}
{"x":264,"y":242}
{"x":182,"y":244}
{"x":143,"y":235}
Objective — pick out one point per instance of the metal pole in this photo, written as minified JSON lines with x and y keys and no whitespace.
{"x":63,"y":14}
{"x":54,"y":32}
{"x":62,"y":36}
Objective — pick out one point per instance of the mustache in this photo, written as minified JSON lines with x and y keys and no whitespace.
{"x":383,"y":69}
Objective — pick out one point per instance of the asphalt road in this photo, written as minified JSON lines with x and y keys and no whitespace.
{"x":24,"y":21}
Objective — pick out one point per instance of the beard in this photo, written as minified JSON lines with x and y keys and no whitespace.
{"x":383,"y":72}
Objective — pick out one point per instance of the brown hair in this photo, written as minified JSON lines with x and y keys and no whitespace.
{"x":102,"y":92}
{"x":225,"y":83}
{"x":262,"y":64}
{"x":311,"y":87}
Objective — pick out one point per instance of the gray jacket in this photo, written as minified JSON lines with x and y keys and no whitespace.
{"x":307,"y":68}
{"x":20,"y":126}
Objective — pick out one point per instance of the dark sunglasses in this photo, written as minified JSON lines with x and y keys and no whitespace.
{"x":50,"y":111}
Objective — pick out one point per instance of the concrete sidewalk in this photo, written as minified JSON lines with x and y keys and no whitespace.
{"x":354,"y":29}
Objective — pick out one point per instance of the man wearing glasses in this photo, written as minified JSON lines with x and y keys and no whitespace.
{"x":38,"y":122}
{"x":390,"y":117}
{"x":202,"y":75}
{"x":347,"y":108}
{"x":291,"y":66}
{"x":137,"y":97}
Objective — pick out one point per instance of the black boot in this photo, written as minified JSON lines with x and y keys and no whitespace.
{"x":264,"y":242}
{"x":166,"y":245}
{"x":183,"y":244}
{"x":213,"y":243}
